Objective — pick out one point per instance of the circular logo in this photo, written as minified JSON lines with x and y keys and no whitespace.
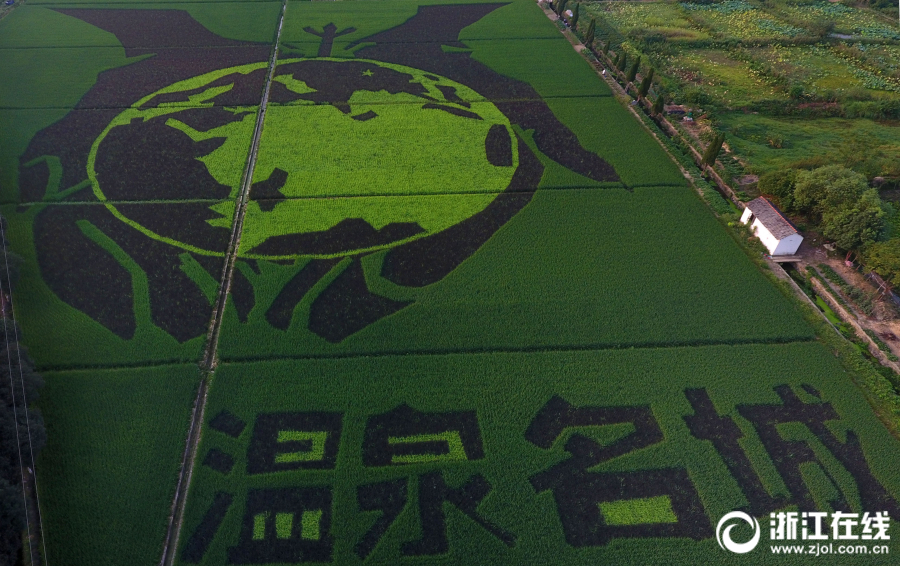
{"x":724,"y":536}
{"x":355,"y":156}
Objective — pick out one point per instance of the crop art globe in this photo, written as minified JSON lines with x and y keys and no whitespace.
{"x":386,"y":168}
{"x":355,"y":156}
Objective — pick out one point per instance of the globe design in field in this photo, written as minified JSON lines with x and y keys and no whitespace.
{"x":355,"y":156}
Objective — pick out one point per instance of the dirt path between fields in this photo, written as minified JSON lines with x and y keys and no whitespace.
{"x":210,"y":361}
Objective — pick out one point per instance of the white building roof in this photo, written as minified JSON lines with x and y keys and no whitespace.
{"x":772,"y":218}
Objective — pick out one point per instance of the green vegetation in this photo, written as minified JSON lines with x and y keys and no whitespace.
{"x":506,"y":391}
{"x":712,"y":150}
{"x":639,"y":511}
{"x":829,"y":313}
{"x":576,"y":267}
{"x":840,"y":201}
{"x":312,"y":144}
{"x":22,"y":428}
{"x":589,"y":34}
{"x":750,"y":66}
{"x":60,"y":335}
{"x":882,"y":345}
{"x":884,"y":258}
{"x":115,"y":439}
{"x":866,"y":145}
{"x":610,"y":306}
{"x":862,"y":301}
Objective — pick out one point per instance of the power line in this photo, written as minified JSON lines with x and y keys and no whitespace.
{"x":33,"y":468}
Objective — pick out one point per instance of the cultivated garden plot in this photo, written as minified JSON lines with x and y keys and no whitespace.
{"x":745,"y":66}
{"x":477,"y":315}
{"x":742,"y":20}
{"x":542,"y":458}
{"x":665,"y":18}
{"x":857,"y":23}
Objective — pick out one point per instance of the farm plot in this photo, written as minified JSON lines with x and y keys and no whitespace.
{"x":353,"y":22}
{"x":542,"y":458}
{"x":847,"y":20}
{"x":114,"y":444}
{"x":124,"y":221}
{"x":739,"y":19}
{"x":821,"y":69}
{"x":141,"y":27}
{"x":593,"y":358}
{"x":574,"y":268}
{"x":41,"y":71}
{"x":33,"y":26}
{"x":315,"y":205}
{"x":816,"y":141}
{"x":105,"y":285}
{"x":129,"y":197}
{"x":721,"y":76}
{"x":665,"y":18}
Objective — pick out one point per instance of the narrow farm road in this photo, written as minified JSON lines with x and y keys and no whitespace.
{"x":209,"y":361}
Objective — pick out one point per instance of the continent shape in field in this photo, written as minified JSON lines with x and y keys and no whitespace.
{"x":446,"y":133}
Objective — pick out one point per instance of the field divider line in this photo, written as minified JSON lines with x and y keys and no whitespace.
{"x":438,"y":352}
{"x":597,"y":96}
{"x":329,"y":196}
{"x":524,"y":350}
{"x":208,"y":362}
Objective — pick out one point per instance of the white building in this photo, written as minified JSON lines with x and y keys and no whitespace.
{"x":774,"y":230}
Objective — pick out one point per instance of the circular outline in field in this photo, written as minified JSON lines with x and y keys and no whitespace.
{"x":134,"y":111}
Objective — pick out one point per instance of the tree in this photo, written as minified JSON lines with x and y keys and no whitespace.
{"x":573,"y":21}
{"x":606,"y":47}
{"x":21,"y":436}
{"x":658,"y":105}
{"x":632,"y":72}
{"x":623,"y":60}
{"x":645,"y":83}
{"x":712,"y":150}
{"x":827,"y":189}
{"x":858,"y":224}
{"x":884,"y":259}
{"x":589,"y":34}
{"x":561,"y":7}
{"x":779,"y":184}
{"x":12,"y":521}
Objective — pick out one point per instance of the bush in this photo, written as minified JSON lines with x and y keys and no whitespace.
{"x":827,"y":188}
{"x":881,"y":345}
{"x":855,"y":226}
{"x":884,"y":259}
{"x":779,"y":184}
